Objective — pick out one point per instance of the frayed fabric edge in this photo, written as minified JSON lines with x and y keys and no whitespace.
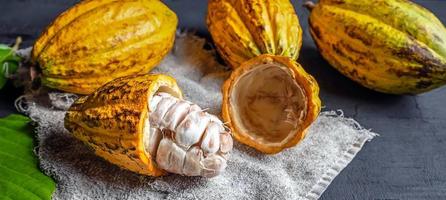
{"x":365,"y":136}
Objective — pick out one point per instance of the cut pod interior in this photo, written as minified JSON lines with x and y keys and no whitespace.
{"x":181,"y":138}
{"x":150,"y":142}
{"x":267,"y":104}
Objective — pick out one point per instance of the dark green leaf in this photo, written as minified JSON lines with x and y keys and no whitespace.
{"x":20,"y":177}
{"x":9,"y":62}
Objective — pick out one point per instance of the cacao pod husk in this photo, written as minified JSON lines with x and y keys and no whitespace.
{"x":272,"y":110}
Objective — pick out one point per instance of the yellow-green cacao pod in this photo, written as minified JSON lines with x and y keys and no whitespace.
{"x":244,"y":29}
{"x":97,"y":41}
{"x":391,"y":46}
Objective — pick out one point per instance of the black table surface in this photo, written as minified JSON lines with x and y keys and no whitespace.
{"x":407,"y":161}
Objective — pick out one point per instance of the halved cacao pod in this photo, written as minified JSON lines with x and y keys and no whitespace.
{"x":269,"y":102}
{"x":391,"y":46}
{"x":97,"y":41}
{"x":243,"y":29}
{"x":111,"y":120}
{"x":141,"y":123}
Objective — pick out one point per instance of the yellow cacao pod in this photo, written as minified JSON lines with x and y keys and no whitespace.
{"x":391,"y":46}
{"x":243,"y":29}
{"x":269,"y":101}
{"x":97,"y":41}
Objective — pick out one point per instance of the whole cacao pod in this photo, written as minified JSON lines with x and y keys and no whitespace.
{"x":391,"y":46}
{"x":97,"y":41}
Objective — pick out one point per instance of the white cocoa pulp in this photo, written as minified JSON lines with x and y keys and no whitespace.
{"x":183,"y":139}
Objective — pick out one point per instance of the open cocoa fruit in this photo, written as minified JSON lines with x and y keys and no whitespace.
{"x":141,"y":123}
{"x":269,"y":102}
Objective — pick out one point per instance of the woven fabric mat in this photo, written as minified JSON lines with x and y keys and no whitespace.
{"x":302,"y":172}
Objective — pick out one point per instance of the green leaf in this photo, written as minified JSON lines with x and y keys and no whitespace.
{"x":9,"y":62}
{"x":20,"y":176}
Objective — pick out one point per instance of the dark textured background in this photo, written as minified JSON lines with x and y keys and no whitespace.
{"x":408,"y":160}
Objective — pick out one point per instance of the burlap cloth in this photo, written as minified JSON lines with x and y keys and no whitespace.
{"x":302,"y":172}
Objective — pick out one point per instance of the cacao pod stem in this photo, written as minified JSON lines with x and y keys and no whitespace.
{"x":309,"y":5}
{"x":16,"y":46}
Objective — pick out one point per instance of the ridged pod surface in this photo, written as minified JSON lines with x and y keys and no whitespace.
{"x":97,"y":41}
{"x":141,"y":123}
{"x":269,"y":102}
{"x":391,"y":46}
{"x":243,"y":29}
